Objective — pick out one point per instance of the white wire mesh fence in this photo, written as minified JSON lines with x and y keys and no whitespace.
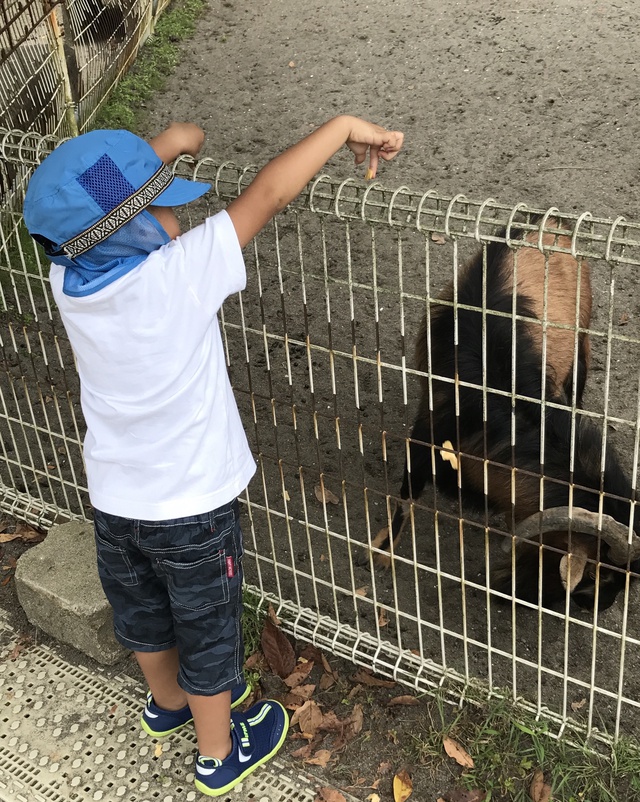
{"x":320,"y":351}
{"x":60,"y":58}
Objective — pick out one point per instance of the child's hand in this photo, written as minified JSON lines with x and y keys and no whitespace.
{"x":178,"y":139}
{"x":380,"y":143}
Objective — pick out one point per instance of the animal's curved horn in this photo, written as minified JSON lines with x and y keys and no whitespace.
{"x":579,"y":520}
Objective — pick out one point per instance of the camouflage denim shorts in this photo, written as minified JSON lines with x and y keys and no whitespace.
{"x":178,"y":583}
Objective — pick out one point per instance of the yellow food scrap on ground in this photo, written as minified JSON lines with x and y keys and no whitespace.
{"x":448,"y":455}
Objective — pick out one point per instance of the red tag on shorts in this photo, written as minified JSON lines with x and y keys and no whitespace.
{"x":231,"y":569}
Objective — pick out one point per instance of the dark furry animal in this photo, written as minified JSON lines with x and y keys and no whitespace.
{"x":462,"y":438}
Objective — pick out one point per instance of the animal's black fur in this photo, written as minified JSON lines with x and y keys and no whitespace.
{"x":473,"y":436}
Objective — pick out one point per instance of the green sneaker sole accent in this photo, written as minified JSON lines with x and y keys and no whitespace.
{"x":242,"y":698}
{"x":220,"y":791}
{"x":155,"y":734}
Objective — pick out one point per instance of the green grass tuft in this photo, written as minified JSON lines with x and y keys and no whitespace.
{"x":508,"y":746}
{"x":156,"y":60}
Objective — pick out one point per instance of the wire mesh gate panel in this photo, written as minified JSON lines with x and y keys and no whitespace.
{"x":320,"y":350}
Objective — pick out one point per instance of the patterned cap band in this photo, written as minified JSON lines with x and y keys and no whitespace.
{"x":119,"y":216}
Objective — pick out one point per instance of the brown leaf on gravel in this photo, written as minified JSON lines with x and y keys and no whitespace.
{"x":329,"y":795}
{"x":385,"y":768}
{"x":272,"y":615}
{"x":323,"y":494}
{"x":321,"y":758}
{"x":23,"y":531}
{"x":382,"y":617}
{"x":403,"y":700}
{"x":578,"y":705}
{"x":309,"y":717}
{"x":22,"y":643}
{"x":312,"y":653}
{"x":438,"y":238}
{"x":402,"y":786}
{"x":366,"y":678}
{"x":298,"y":696}
{"x":277,"y":649}
{"x":256,"y":660}
{"x":326,"y":681}
{"x":304,"y":752}
{"x":327,"y":667}
{"x":539,"y":790}
{"x":299,"y":674}
{"x":460,"y":755}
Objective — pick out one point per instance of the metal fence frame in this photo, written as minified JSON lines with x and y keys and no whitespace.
{"x":40,"y":458}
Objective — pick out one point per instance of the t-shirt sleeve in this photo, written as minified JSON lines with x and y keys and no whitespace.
{"x":213,"y":261}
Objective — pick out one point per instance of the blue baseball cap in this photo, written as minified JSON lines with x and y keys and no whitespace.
{"x":93,"y":184}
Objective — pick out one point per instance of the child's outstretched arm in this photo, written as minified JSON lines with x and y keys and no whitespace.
{"x":283,"y":178}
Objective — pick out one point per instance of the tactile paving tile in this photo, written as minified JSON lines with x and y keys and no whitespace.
{"x":70,"y":735}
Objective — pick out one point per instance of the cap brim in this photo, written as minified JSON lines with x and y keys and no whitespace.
{"x":181,"y":191}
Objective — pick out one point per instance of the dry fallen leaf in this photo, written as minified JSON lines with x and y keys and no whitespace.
{"x":272,"y":615}
{"x":361,"y":591}
{"x":321,"y":758}
{"x":539,"y":790}
{"x":372,"y":798}
{"x":304,"y":751}
{"x":309,"y":717}
{"x":367,"y":678}
{"x":299,"y":674}
{"x":578,"y":705}
{"x":438,"y":238}
{"x":402,"y":786}
{"x":382,"y":617}
{"x":326,"y":681}
{"x":277,"y":649}
{"x":455,"y":751}
{"x":329,"y":795}
{"x":403,"y":700}
{"x":327,"y":497}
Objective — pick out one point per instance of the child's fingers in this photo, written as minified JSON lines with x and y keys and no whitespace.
{"x":373,"y":163}
{"x":392,"y":145}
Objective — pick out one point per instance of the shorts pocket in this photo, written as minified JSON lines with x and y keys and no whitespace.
{"x":114,"y":563}
{"x":199,"y":585}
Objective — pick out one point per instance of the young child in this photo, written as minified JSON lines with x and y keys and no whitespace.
{"x":165,"y":452}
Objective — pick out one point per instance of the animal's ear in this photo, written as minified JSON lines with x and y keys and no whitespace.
{"x":572,"y":565}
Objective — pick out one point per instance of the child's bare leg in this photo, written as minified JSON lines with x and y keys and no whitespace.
{"x":160,"y":670}
{"x":212,"y":717}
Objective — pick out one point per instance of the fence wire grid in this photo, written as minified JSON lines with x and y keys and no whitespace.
{"x":60,"y":58}
{"x":320,"y":352}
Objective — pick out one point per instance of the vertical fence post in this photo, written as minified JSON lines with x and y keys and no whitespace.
{"x":69,"y":100}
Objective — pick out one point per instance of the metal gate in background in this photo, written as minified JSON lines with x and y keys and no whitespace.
{"x":320,"y":352}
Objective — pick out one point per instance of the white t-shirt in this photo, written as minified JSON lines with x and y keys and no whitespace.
{"x":164,"y":437}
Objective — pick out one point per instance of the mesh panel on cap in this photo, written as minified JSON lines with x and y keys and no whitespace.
{"x":106,"y":184}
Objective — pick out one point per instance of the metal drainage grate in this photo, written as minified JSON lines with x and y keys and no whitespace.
{"x":70,"y":735}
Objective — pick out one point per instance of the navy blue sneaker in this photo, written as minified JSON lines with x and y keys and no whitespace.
{"x":158,"y":722}
{"x":255,"y":737}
